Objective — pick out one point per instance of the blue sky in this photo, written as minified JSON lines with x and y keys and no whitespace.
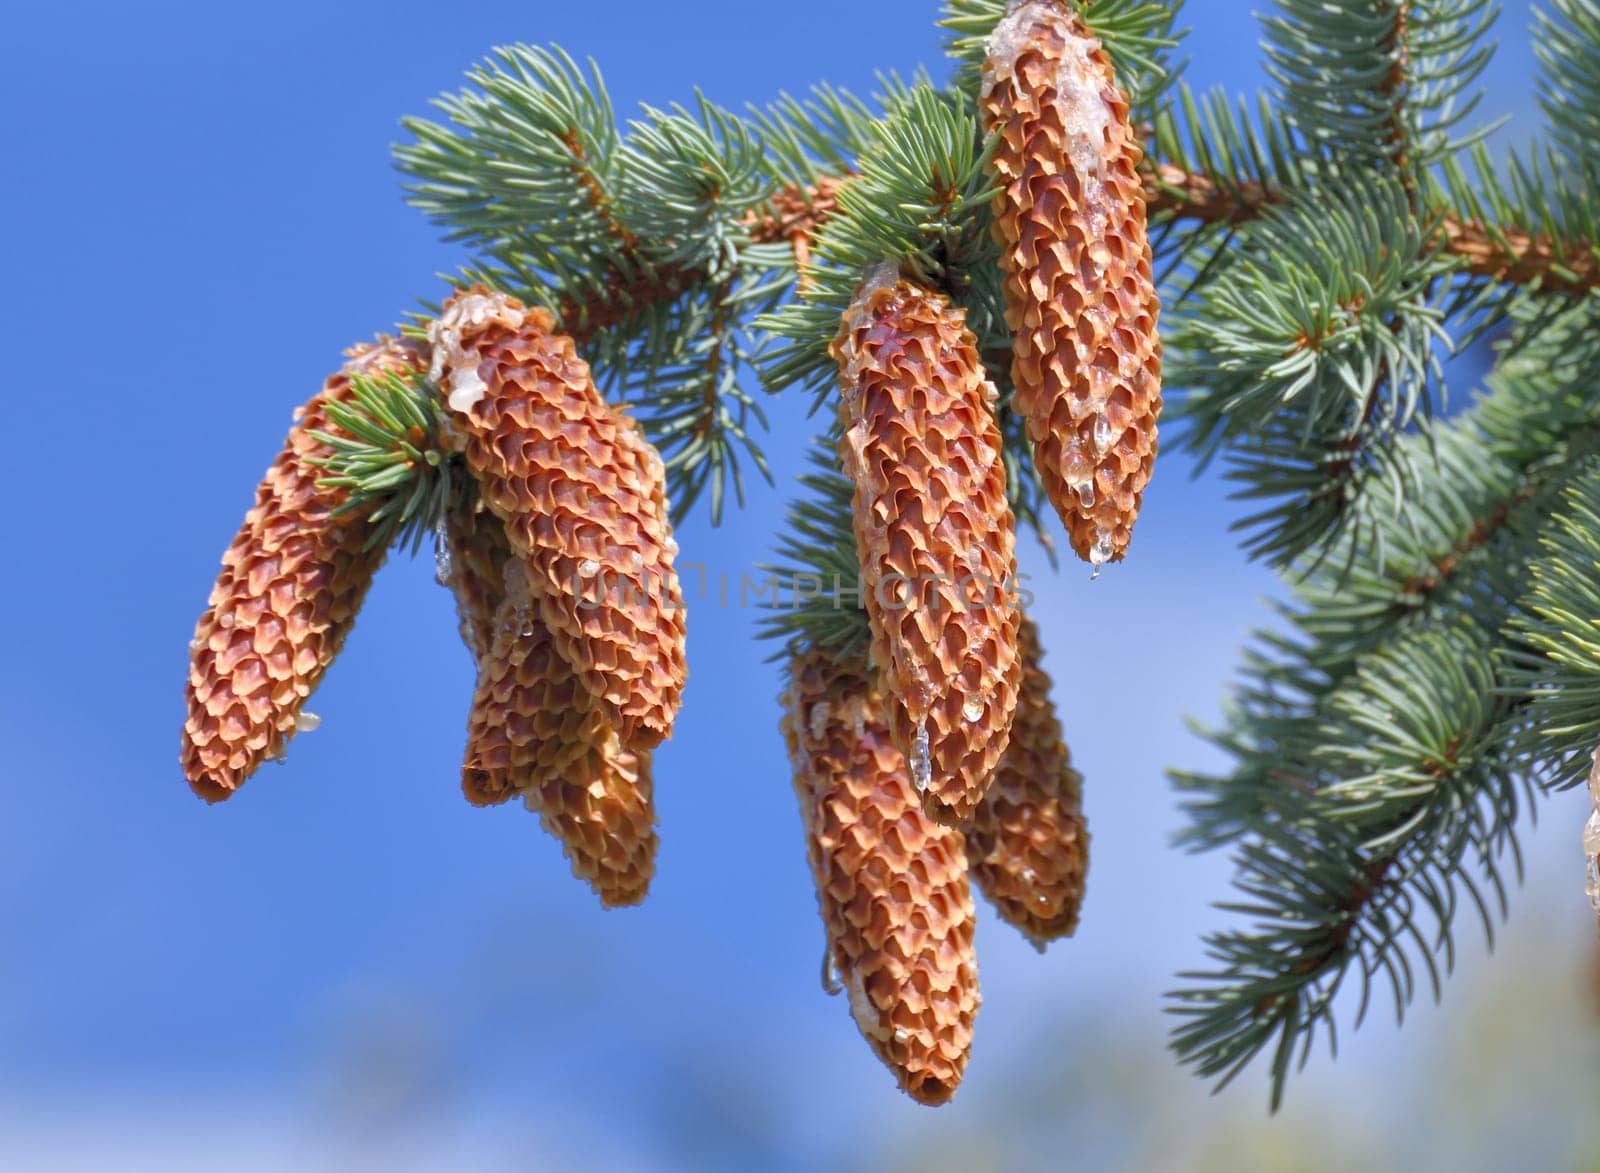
{"x":200,"y":214}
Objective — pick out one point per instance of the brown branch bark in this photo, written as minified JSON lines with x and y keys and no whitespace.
{"x":1518,"y":258}
{"x":1509,"y":255}
{"x":1189,"y":195}
{"x":794,"y":216}
{"x":1394,"y":86}
{"x":1424,"y":583}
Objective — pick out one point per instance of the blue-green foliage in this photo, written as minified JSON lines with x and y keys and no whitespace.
{"x":1322,"y":247}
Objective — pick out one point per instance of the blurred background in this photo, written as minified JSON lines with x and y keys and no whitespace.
{"x":346,"y":964}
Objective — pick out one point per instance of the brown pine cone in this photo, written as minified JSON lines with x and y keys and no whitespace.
{"x":535,"y":731}
{"x":602,"y":810}
{"x":290,"y":587}
{"x":1028,"y":843}
{"x":934,"y":533}
{"x":472,"y":564}
{"x":1080,"y":299}
{"x":582,"y":496}
{"x":891,"y":882}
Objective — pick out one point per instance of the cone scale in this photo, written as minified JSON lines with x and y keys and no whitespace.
{"x":891,"y":882}
{"x":1081,"y":301}
{"x":934,"y":533}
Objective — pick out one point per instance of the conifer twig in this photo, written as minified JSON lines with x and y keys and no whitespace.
{"x":1515,"y":257}
{"x":1506,"y":255}
{"x":795,"y":216}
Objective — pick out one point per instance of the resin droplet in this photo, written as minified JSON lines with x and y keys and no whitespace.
{"x":831,"y":984}
{"x":1085,"y":491}
{"x":443,"y":570}
{"x":972,"y":708}
{"x":466,"y":389}
{"x":1076,"y":465}
{"x":307,"y":722}
{"x":1100,"y":553}
{"x":921,"y":764}
{"x":819,"y":720}
{"x":1102,"y":434}
{"x":588,"y":568}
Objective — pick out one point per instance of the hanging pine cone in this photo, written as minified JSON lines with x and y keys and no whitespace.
{"x":534,"y":731}
{"x":892,"y":883}
{"x":602,"y":810}
{"x":1028,"y":843}
{"x":1080,"y":299}
{"x":934,"y":533}
{"x":582,"y":496}
{"x":290,"y":587}
{"x":472,"y":564}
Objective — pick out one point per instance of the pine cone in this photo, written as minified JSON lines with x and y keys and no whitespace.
{"x":1028,"y":844}
{"x":290,"y":587}
{"x":476,"y":551}
{"x":934,"y":533}
{"x":1080,"y":299}
{"x":891,"y":882}
{"x":535,"y":731}
{"x":602,"y":810}
{"x":582,"y":496}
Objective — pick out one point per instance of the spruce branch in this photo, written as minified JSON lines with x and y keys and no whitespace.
{"x":388,"y":458}
{"x":820,"y":137}
{"x":794,"y":215}
{"x":683,"y":378}
{"x":1408,"y":796}
{"x":1431,"y":593}
{"x":688,"y":184}
{"x":1513,"y":256}
{"x":1447,"y":533}
{"x":1479,"y":248}
{"x":531,"y":144}
{"x":1383,"y":85}
{"x":818,"y":602}
{"x":1558,"y":663}
{"x":1567,"y":43}
{"x":1310,"y":348}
